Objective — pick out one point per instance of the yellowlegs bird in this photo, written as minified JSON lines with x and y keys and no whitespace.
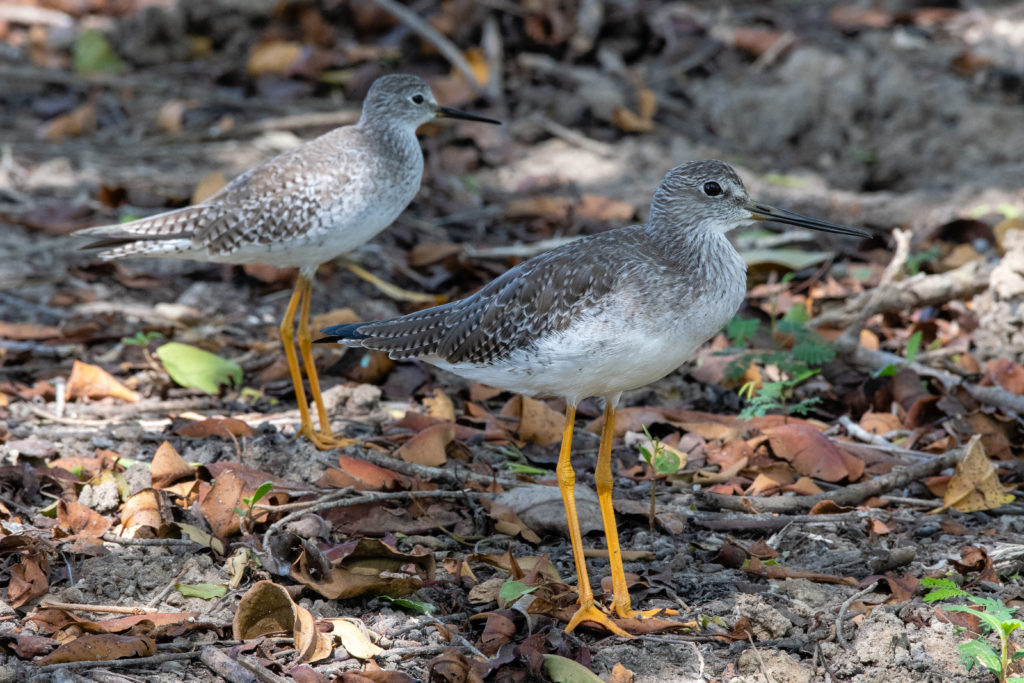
{"x":300,"y":209}
{"x":601,"y":315}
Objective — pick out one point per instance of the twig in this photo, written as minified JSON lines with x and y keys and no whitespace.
{"x":851,"y":336}
{"x":332,"y":500}
{"x":432,"y":36}
{"x":261,"y":672}
{"x":965,"y":281}
{"x":119,"y":663}
{"x":111,"y":538}
{"x":158,"y":598}
{"x":574,"y":137}
{"x":757,"y":653}
{"x":861,"y":434}
{"x":848,"y":495}
{"x":220,"y":663}
{"x":842,"y":614}
{"x":106,"y":609}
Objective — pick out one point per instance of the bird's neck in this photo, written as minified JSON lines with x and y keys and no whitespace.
{"x":704,"y":257}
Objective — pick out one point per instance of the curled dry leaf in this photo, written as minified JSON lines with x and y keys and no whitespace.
{"x":538,"y":423}
{"x":354,"y":637}
{"x":219,"y":503}
{"x":267,"y":607}
{"x":92,"y":381}
{"x":367,"y":566}
{"x":975,"y":484}
{"x":77,"y":520}
{"x":440,"y":406}
{"x":429,"y":446}
{"x":28,"y":578}
{"x":363,"y":476}
{"x":142,"y":514}
{"x":168,"y":467}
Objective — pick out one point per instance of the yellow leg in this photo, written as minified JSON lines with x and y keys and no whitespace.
{"x":393,"y":291}
{"x":588,"y":611}
{"x":324,"y":438}
{"x":603,"y":481}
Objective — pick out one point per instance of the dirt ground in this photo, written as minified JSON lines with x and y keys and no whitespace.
{"x":888,"y":115}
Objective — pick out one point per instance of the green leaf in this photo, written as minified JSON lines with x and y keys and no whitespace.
{"x":741,"y":330}
{"x":92,"y":54}
{"x":813,"y":353}
{"x":562,"y":670}
{"x":141,"y":338}
{"x":796,"y":314}
{"x":206,"y":591}
{"x":913,"y":346}
{"x":198,"y":369}
{"x":942,"y":589}
{"x":888,"y":371}
{"x":513,"y":590}
{"x":522,"y":468}
{"x":666,"y":462}
{"x":979,"y":650}
{"x":262,"y":490}
{"x":411,"y":605}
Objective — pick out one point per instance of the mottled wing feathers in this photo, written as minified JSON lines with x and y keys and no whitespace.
{"x":541,"y":296}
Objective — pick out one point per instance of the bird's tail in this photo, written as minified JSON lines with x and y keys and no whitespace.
{"x":161,"y":234}
{"x":346,"y":333}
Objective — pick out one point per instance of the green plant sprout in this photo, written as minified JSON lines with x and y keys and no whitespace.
{"x":662,"y":462}
{"x":994,"y":615}
{"x":913,"y":346}
{"x":250,"y":502}
{"x":141,"y":338}
{"x":796,"y":364}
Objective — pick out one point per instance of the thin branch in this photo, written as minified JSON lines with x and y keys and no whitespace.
{"x":842,"y":614}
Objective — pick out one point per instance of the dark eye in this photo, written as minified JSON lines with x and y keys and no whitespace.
{"x":712,"y":189}
{"x":418,"y":99}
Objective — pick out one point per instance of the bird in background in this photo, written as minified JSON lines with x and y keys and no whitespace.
{"x":602,"y":315}
{"x":300,"y":209}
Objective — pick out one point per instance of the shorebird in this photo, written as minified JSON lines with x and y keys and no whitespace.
{"x":596,"y":317}
{"x":300,"y":209}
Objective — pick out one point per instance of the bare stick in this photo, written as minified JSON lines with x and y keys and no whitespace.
{"x":848,"y":495}
{"x":432,"y":36}
{"x":119,"y":663}
{"x":109,"y":609}
{"x":842,"y":614}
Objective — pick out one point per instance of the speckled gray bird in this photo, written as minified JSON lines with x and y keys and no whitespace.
{"x":300,"y":209}
{"x":602,"y":315}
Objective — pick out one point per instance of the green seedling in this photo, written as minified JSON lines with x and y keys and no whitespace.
{"x":994,"y":615}
{"x":250,"y":502}
{"x":795,"y":365}
{"x":662,"y":462}
{"x":141,"y":339}
{"x":913,"y":346}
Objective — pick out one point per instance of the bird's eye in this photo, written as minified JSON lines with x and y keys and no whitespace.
{"x":417,"y":99}
{"x":712,"y":189}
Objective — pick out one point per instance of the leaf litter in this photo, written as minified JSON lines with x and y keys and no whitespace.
{"x":139,"y":437}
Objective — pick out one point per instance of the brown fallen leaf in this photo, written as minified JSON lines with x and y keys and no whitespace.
{"x":224,"y":427}
{"x":267,"y":608}
{"x":219,"y":503}
{"x":92,"y":381}
{"x":813,"y":454}
{"x":168,"y":467}
{"x":143,"y":514}
{"x":209,"y":185}
{"x":367,"y":566}
{"x":538,"y":423}
{"x":28,"y":578}
{"x":277,"y":57}
{"x":498,"y":630}
{"x":76,"y":519}
{"x":620,"y":674}
{"x":362,"y":476}
{"x":777,"y":571}
{"x":100,"y":647}
{"x":28,"y":331}
{"x":429,"y":446}
{"x":975,"y":484}
{"x":440,"y":406}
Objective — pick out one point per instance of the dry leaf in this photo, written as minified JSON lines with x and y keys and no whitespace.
{"x":28,"y":331}
{"x":224,"y":427}
{"x":813,"y":454}
{"x":880,"y":423}
{"x":210,"y":185}
{"x":440,"y":406}
{"x":276,"y":57}
{"x":100,"y":647}
{"x":975,"y":483}
{"x":354,"y":637}
{"x":429,"y":446}
{"x":92,"y":381}
{"x":538,"y":423}
{"x":362,"y":475}
{"x":168,"y":467}
{"x":267,"y":607}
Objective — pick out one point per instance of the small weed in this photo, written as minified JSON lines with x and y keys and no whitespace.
{"x":662,"y":462}
{"x":994,"y":616}
{"x":795,"y":365}
{"x":141,"y":338}
{"x":913,"y":346}
{"x":250,"y":503}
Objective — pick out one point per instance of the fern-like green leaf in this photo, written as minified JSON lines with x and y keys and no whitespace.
{"x":942,"y":589}
{"x":813,"y":353}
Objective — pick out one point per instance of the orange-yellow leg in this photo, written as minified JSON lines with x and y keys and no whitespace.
{"x":588,"y":611}
{"x":299,"y":302}
{"x":603,"y":481}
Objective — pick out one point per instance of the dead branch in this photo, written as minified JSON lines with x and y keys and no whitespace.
{"x":923,"y":290}
{"x":848,"y":495}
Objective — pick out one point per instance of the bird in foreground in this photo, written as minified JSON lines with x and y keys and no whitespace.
{"x":602,"y":315}
{"x":300,"y":209}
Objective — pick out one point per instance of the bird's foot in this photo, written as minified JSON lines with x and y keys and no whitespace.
{"x":327,"y":441}
{"x":590,"y":612}
{"x":624,"y":611}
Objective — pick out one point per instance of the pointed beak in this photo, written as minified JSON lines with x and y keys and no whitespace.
{"x":763,"y":212}
{"x":449,"y":113}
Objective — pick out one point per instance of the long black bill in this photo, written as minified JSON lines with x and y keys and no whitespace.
{"x":449,"y":113}
{"x":763,"y":212}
